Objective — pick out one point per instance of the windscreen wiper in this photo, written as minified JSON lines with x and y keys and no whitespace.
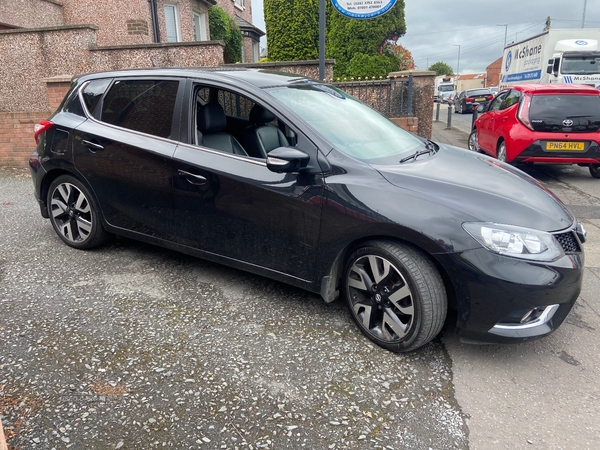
{"x":430,"y":147}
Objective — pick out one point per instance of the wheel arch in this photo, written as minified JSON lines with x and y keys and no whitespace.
{"x":52,"y":175}
{"x":331,"y":282}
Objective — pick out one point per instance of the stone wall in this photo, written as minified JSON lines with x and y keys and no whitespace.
{"x":57,"y":51}
{"x":31,"y":13}
{"x":304,"y":68}
{"x":423,"y":87}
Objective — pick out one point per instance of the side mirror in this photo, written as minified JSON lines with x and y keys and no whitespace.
{"x":286,"y":160}
{"x":481,"y":108}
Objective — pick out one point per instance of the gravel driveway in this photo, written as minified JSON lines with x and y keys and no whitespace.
{"x":134,"y":347}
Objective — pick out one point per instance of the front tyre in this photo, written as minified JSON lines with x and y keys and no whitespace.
{"x":595,"y":171}
{"x":395,"y":295}
{"x":473,"y":143}
{"x":73,"y":213}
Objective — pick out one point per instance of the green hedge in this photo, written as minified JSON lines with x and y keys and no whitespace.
{"x":223,"y":27}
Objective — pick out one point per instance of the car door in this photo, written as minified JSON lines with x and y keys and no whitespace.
{"x":125,"y":151}
{"x":504,"y":118}
{"x":232,"y":205}
{"x":486,"y":124}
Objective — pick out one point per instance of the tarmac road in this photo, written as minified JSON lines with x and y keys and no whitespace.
{"x":131,"y":346}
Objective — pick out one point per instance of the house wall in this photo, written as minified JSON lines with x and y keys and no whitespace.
{"x":111,"y":19}
{"x":493,"y":73}
{"x":470,"y":82}
{"x":31,"y":13}
{"x":232,"y":10}
{"x":58,"y":53}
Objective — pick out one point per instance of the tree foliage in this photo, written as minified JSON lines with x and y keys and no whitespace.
{"x":404,"y":56}
{"x":441,"y":68}
{"x":358,"y":46}
{"x":223,"y":27}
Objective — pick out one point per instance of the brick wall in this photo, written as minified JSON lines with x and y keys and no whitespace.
{"x":16,"y":137}
{"x":493,"y":73}
{"x":408,"y":123}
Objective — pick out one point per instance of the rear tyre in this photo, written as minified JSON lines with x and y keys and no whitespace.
{"x":395,"y":295}
{"x":595,"y":171}
{"x":473,"y":143}
{"x":501,"y":152}
{"x":74,"y":215}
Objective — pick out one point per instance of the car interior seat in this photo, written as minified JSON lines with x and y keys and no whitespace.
{"x":211,"y":123}
{"x":260,"y":138}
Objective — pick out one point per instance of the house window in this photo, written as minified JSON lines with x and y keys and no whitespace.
{"x":255,"y":51}
{"x":240,"y":3}
{"x":172,"y":23}
{"x":199,"y":26}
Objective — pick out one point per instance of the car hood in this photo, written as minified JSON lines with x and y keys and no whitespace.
{"x":481,"y":188}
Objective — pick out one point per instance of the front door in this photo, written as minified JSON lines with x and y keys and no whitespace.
{"x":229,"y":203}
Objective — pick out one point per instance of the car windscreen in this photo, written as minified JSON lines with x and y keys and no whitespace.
{"x":446,"y":88}
{"x":557,"y":112}
{"x":581,"y":65}
{"x":347,"y":123}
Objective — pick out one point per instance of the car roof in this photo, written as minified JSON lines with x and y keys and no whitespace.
{"x":537,"y":89}
{"x":257,"y":77}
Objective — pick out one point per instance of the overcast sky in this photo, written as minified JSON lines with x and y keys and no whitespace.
{"x":436,"y":28}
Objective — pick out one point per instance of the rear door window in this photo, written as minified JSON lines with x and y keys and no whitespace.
{"x":146,"y":106}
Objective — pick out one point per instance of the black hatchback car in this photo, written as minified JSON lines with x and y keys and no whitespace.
{"x":293,"y":179}
{"x":465,"y":101}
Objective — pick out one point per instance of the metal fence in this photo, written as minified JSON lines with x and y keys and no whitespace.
{"x":391,"y":97}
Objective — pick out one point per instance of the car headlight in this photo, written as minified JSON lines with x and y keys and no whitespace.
{"x":519,"y":242}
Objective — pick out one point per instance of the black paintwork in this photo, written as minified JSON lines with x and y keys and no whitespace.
{"x":299,"y":227}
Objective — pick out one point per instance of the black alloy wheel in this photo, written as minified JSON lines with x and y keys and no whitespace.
{"x":73,"y":214}
{"x":395,"y":295}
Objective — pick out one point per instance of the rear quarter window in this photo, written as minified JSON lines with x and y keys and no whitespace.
{"x":146,"y":106}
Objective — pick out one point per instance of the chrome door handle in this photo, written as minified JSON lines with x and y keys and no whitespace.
{"x":92,"y":146}
{"x":192,"y":178}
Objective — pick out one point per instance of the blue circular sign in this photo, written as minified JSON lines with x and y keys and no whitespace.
{"x":363,"y":9}
{"x":581,"y":42}
{"x":508,"y":61}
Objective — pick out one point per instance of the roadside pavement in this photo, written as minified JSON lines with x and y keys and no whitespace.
{"x":452,"y":136}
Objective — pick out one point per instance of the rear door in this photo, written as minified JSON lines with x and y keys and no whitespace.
{"x":125,"y":153}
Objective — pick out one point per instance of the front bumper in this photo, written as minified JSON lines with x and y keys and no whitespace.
{"x":502,"y":299}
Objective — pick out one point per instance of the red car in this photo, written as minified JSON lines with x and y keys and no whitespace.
{"x":541,"y":123}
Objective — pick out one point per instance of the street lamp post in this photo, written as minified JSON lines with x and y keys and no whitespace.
{"x":458,"y":61}
{"x":505,"y":25}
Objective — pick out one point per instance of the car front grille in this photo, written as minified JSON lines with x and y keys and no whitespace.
{"x":568,"y":242}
